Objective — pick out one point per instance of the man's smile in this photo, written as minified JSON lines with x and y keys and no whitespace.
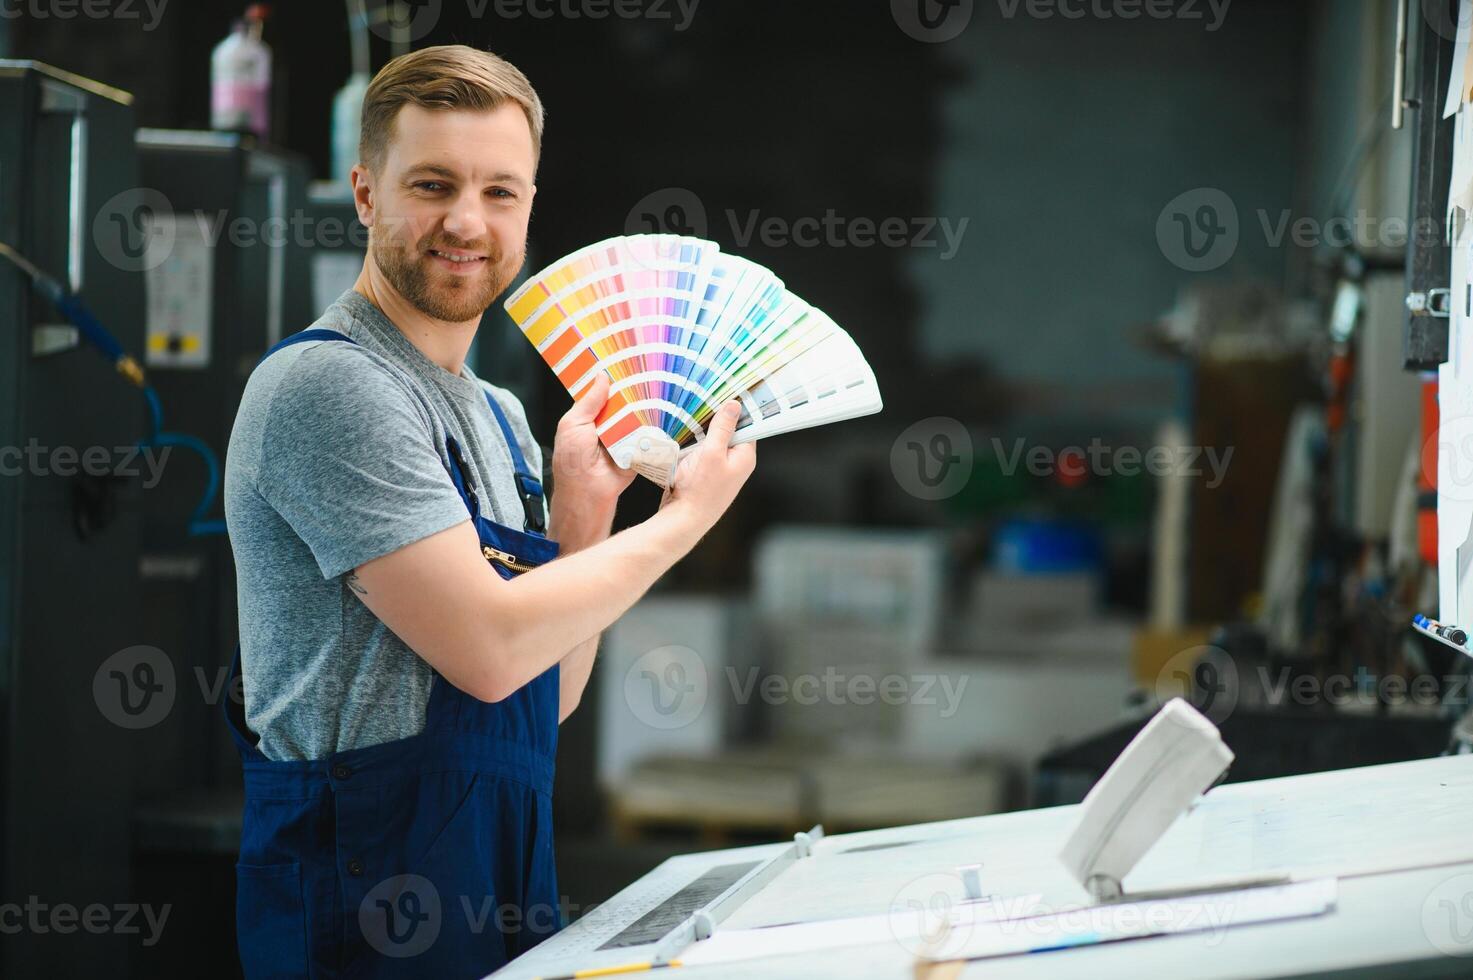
{"x":456,"y":260}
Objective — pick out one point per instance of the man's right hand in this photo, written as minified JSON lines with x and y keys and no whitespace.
{"x":707,"y":479}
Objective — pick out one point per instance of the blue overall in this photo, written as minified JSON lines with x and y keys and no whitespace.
{"x":430,"y":856}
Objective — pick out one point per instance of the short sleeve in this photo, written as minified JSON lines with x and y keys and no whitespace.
{"x":348,"y":459}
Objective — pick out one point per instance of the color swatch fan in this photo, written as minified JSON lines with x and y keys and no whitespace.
{"x":680,"y":328}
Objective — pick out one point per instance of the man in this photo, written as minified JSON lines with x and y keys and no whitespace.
{"x":407,"y":648}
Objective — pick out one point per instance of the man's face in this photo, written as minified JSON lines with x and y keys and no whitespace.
{"x":447,"y":211}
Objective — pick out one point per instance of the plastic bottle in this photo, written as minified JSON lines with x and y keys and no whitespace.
{"x":240,"y":77}
{"x":347,"y":105}
{"x":347,"y":120}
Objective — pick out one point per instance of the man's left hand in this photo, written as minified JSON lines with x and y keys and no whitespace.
{"x":586,"y":480}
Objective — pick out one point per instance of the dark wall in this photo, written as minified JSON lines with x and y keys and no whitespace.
{"x":1063,"y":145}
{"x":1057,"y":140}
{"x":764,"y":109}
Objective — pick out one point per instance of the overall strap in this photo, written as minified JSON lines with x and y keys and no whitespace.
{"x":302,"y":336}
{"x":529,"y":488}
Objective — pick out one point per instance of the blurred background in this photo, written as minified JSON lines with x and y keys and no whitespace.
{"x":1152,"y":292}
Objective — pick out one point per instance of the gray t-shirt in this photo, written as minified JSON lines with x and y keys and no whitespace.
{"x":338,"y":456}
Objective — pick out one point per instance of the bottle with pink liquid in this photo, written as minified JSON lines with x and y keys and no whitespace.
{"x":240,"y":77}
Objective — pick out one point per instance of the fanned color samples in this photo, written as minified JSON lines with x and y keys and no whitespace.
{"x":679,"y":328}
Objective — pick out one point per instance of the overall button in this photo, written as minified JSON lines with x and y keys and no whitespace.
{"x":355,"y":868}
{"x":341,"y":771}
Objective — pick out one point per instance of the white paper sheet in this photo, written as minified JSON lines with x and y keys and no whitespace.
{"x":1460,"y":183}
{"x":1213,"y":913}
{"x":1460,"y":60}
{"x":1454,"y":438}
{"x":916,"y":928}
{"x":1013,"y":926}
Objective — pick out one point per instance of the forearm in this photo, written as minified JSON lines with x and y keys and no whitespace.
{"x":573,"y":673}
{"x":576,"y":525}
{"x":543,"y":615}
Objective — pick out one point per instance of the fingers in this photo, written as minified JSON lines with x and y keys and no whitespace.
{"x":591,"y":402}
{"x":744,"y":456}
{"x":723,"y":425}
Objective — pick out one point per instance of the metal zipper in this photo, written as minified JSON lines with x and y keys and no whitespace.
{"x":502,"y":558}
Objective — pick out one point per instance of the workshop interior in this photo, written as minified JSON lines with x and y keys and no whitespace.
{"x":1116,"y":625}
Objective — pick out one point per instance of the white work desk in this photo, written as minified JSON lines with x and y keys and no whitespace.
{"x":1398,"y":837}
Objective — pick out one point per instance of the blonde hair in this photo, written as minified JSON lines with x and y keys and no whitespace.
{"x":449,"y":76}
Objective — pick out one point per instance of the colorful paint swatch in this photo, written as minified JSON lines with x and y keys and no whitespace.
{"x":679,"y":328}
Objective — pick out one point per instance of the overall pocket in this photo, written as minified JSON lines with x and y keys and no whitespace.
{"x":271,"y":921}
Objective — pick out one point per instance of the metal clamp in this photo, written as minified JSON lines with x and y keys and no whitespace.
{"x":53,"y":338}
{"x":972,"y":883}
{"x":1434,"y":302}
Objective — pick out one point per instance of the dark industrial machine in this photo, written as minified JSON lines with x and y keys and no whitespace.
{"x":71,"y":502}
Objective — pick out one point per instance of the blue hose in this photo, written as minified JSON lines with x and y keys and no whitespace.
{"x":71,"y":306}
{"x":199,"y":524}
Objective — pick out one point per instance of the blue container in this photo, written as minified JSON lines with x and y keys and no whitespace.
{"x":1033,"y":546}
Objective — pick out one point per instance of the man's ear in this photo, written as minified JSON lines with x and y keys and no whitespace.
{"x":362,"y":180}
